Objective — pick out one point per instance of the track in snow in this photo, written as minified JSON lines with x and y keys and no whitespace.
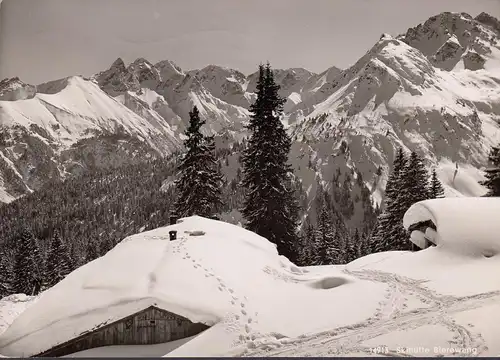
{"x":391,"y":316}
{"x":241,"y":318}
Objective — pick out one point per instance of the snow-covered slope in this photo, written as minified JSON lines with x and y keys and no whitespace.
{"x":397,"y":94}
{"x":258,"y":303}
{"x":68,"y":126}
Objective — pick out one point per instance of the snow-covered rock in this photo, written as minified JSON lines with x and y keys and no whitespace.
{"x":433,"y":302}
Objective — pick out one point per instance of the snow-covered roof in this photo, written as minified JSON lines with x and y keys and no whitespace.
{"x":464,"y":224}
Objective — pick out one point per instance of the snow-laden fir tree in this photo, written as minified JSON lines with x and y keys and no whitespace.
{"x":307,"y":250}
{"x":199,"y":183}
{"x":27,"y":265}
{"x":492,"y":173}
{"x":436,"y":189}
{"x":270,"y":207}
{"x":388,"y":232}
{"x":415,"y":184}
{"x":326,"y":249}
{"x":58,"y":261}
{"x":353,"y":244}
{"x":413,"y":187}
{"x":6,"y":274}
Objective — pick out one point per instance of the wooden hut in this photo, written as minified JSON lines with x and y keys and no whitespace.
{"x":149,"y":326}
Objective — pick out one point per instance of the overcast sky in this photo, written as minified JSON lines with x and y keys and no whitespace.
{"x":42,"y":40}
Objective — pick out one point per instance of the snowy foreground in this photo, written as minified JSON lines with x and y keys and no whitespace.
{"x":444,"y":300}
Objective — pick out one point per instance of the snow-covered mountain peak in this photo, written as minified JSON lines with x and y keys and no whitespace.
{"x":12,"y":89}
{"x":168,"y":69}
{"x":456,"y":40}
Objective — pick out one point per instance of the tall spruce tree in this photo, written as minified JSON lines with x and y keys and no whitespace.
{"x":492,"y":173}
{"x":6,"y":274}
{"x":389,"y":230}
{"x":307,"y":250}
{"x":27,"y":265}
{"x":353,"y":247}
{"x":326,"y":248}
{"x":436,"y":189}
{"x":270,"y":206}
{"x":58,"y":261}
{"x":415,"y":183}
{"x":199,"y":182}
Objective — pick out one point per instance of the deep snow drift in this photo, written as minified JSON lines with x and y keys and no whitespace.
{"x":259,"y":304}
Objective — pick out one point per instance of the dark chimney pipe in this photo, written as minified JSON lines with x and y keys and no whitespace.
{"x":173,"y":235}
{"x":173,"y":219}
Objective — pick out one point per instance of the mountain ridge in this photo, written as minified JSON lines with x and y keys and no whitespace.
{"x":433,"y":89}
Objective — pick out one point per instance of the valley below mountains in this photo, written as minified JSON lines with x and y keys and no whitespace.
{"x":434,"y":90}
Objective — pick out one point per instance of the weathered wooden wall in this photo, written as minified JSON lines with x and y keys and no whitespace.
{"x":149,"y":326}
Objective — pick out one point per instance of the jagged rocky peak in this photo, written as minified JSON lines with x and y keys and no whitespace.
{"x":290,"y":80}
{"x":447,"y":37}
{"x":219,"y":74}
{"x":167,"y":68}
{"x":491,"y":21}
{"x":118,"y":65}
{"x":12,"y":89}
{"x":144,"y":73}
{"x":116,"y":80}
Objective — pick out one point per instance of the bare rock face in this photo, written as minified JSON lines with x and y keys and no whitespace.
{"x":449,"y":54}
{"x":489,"y":20}
{"x":14,"y":89}
{"x":473,"y":61}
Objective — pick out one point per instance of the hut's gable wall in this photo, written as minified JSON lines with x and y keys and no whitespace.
{"x":149,"y":326}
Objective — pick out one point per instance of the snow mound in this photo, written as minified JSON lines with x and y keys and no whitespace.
{"x":460,"y":181}
{"x":246,"y":289}
{"x":11,"y":306}
{"x":466,"y":225}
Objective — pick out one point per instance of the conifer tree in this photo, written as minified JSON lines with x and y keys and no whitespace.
{"x":413,"y":187}
{"x":389,"y":230}
{"x":27,"y":265}
{"x":326,"y":249}
{"x":436,"y":189}
{"x":91,"y":252}
{"x":6,"y":274}
{"x":199,"y":182}
{"x":58,"y":261}
{"x":415,"y":183}
{"x":307,"y":251}
{"x":270,"y":206}
{"x":492,"y":173}
{"x":353,"y":243}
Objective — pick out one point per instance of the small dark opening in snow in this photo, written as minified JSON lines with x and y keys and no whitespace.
{"x":329,"y":283}
{"x":489,"y":253}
